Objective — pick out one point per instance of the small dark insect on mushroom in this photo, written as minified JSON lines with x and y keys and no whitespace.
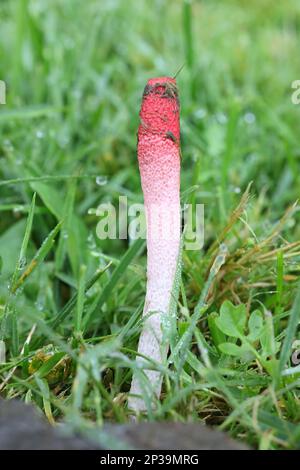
{"x":170,"y":90}
{"x":148,"y":88}
{"x":170,"y":135}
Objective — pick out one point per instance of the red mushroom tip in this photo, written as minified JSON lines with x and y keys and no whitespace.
{"x":160,"y":109}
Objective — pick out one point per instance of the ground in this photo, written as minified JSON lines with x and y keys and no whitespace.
{"x":75,"y":72}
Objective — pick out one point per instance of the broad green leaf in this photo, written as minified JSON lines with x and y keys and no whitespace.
{"x":217,"y":335}
{"x":232,"y":319}
{"x":233,"y":349}
{"x":10,"y":243}
{"x":77,"y":232}
{"x":269,"y":346}
{"x":255,"y":325}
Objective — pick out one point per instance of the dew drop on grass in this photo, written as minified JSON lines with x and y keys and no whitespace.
{"x":92,"y":211}
{"x":220,"y":259}
{"x":18,"y":209}
{"x":249,"y":118}
{"x":200,"y":113}
{"x":221,"y":118}
{"x":91,"y":242}
{"x":19,"y":290}
{"x":63,"y":140}
{"x":95,"y":254}
{"x":22,"y":263}
{"x":101,"y":180}
{"x":40,"y":134}
{"x":77,"y":94}
{"x":8,"y":145}
{"x":39,"y":305}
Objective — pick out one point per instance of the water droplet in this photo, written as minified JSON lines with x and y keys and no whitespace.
{"x":77,"y":94}
{"x":40,"y":134}
{"x":237,"y":190}
{"x":200,"y":113}
{"x":101,"y":180}
{"x":39,"y":305}
{"x":184,"y":312}
{"x":22,"y":263}
{"x":221,"y":118}
{"x":95,"y":254}
{"x":92,"y":211}
{"x":291,"y":223}
{"x":91,"y":242}
{"x":63,"y":142}
{"x":19,"y":160}
{"x":8,"y":145}
{"x":18,"y":209}
{"x":249,"y":118}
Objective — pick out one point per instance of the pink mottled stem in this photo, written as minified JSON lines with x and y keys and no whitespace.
{"x":159,"y":163}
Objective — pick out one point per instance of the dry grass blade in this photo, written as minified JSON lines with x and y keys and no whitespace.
{"x":274,"y":233}
{"x":234,"y":217}
{"x":12,"y":371}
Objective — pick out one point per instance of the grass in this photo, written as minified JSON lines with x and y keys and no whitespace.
{"x":70,"y":304}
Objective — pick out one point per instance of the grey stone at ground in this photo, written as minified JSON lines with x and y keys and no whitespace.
{"x":21,"y":427}
{"x":174,"y":436}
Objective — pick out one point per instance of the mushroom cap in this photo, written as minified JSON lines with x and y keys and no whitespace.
{"x":160,"y":109}
{"x":154,"y":81}
{"x":159,"y":142}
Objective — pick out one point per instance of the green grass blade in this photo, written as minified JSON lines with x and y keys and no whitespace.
{"x":38,"y":258}
{"x":70,"y":305}
{"x":187,"y":17}
{"x":49,"y":178}
{"x":180,"y":351}
{"x":80,"y":301}
{"x":22,"y":256}
{"x":116,"y":275}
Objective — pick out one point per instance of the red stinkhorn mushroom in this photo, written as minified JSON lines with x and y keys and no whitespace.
{"x":159,"y":164}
